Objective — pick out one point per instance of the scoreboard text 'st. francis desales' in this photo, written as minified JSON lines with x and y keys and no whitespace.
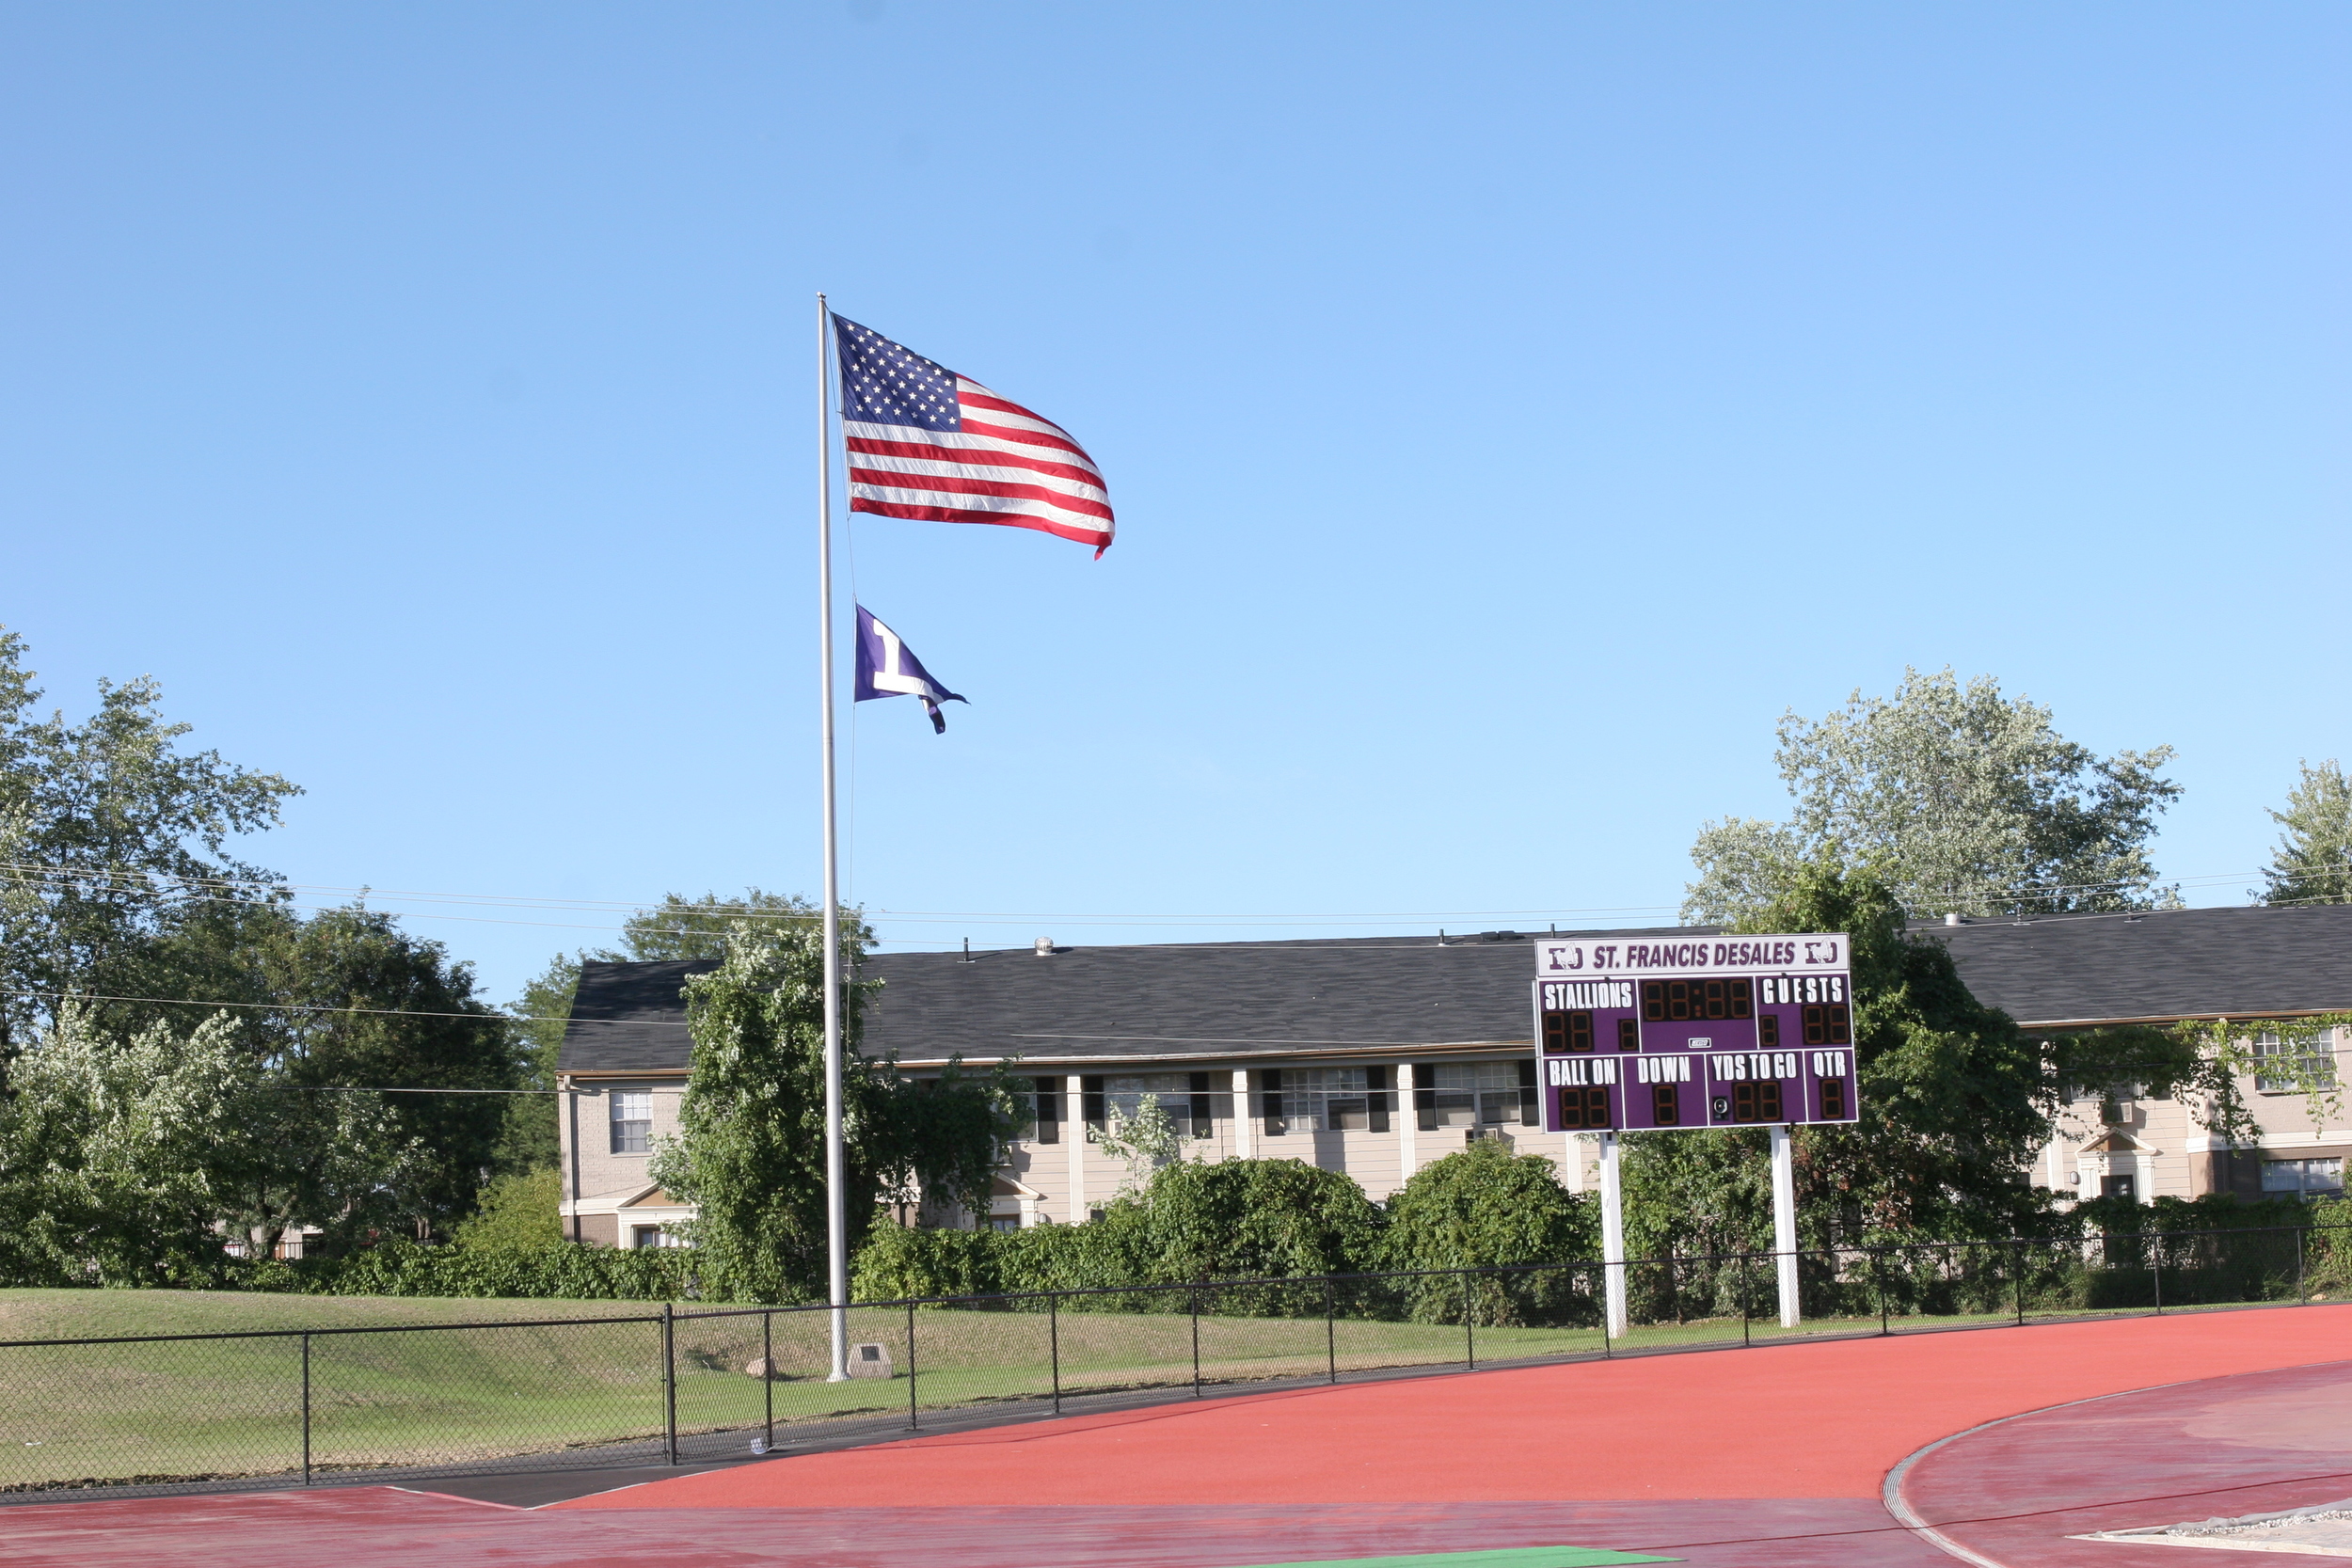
{"x":1635,"y":1036}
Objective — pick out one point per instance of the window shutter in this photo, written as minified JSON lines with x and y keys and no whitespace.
{"x":1270,"y":1100}
{"x":1097,"y":1114}
{"x":1048,"y":1110}
{"x":1377,"y":1079}
{"x":1531,"y":1114}
{"x":1425,"y":1095}
{"x":1200,"y":1112}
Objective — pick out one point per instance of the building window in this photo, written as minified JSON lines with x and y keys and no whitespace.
{"x":1043,"y":1108}
{"x":2304,"y":1178}
{"x":633,"y":1121}
{"x":2292,"y":1066}
{"x":1474,"y":1094}
{"x":1003,"y":1221}
{"x":1328,"y":1100}
{"x":653,"y":1236}
{"x":1184,"y":1097}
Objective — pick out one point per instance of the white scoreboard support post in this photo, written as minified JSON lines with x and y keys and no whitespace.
{"x":1715,"y":1032}
{"x":1612,"y":1236}
{"x":1784,"y":1223}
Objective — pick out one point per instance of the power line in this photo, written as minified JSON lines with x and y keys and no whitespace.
{"x":738,"y":910}
{"x":305,"y":1007}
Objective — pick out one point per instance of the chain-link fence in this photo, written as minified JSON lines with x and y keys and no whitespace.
{"x":685,"y":1385}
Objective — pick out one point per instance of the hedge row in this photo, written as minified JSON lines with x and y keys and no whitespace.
{"x":547,"y":1269}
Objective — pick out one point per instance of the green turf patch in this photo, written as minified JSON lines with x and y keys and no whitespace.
{"x":1509,"y":1557}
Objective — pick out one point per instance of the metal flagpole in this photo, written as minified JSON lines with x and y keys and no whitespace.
{"x":836,"y":1227}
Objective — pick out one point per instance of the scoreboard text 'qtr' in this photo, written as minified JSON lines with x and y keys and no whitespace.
{"x":1720,"y":1032}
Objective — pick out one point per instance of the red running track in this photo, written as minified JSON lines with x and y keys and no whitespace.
{"x":1773,"y":1458}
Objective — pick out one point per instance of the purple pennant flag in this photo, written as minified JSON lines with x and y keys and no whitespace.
{"x":888,"y":667}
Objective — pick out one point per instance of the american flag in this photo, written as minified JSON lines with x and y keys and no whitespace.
{"x":925,"y":442}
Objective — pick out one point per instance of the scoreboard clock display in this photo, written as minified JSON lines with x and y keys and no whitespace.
{"x":1635,"y":1036}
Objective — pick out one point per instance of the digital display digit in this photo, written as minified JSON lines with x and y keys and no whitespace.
{"x":1827,"y":1024}
{"x":1567,"y":1032}
{"x":1696,"y":1001}
{"x":1584,"y":1107}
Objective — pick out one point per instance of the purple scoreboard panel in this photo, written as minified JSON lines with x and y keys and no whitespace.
{"x":1632,"y":1035}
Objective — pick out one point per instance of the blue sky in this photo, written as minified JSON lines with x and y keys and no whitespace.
{"x":1510,"y":411}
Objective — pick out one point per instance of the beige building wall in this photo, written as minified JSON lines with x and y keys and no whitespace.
{"x":607,"y":1199}
{"x":606,"y":1193}
{"x":2167,"y":1150}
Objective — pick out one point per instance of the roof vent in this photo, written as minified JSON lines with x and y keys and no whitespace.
{"x":1045,"y":947}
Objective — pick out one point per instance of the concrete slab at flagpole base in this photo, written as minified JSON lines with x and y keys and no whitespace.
{"x":870,"y":1360}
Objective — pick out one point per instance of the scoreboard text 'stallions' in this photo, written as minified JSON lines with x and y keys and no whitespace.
{"x":1723,"y":1032}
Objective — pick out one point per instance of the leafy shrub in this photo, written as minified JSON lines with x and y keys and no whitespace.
{"x":519,"y":1209}
{"x":1248,"y":1219}
{"x":556,"y":1269}
{"x":897,"y":1263}
{"x":1238,"y":1219}
{"x":1487,"y":1208}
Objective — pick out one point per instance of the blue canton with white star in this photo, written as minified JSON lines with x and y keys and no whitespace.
{"x":884,"y":384}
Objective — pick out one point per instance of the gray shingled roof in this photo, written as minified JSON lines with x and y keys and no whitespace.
{"x":2159,"y":966}
{"x":1394,"y":993}
{"x":630,"y":1017}
{"x":1108,"y":1004}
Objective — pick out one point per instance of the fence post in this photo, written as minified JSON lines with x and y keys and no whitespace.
{"x":669,"y":1377}
{"x":2017,"y":1280}
{"x":2302,"y":1294}
{"x":1195,"y":1294}
{"x":768,"y":1365}
{"x":1600,"y":1286}
{"x":2155,"y":1270}
{"x":1052,"y":1341}
{"x":306,"y":1407}
{"x":1878,"y":1278}
{"x":1469,"y":1336}
{"x":914,"y":1421}
{"x":1746,"y":1313}
{"x":1330,"y":1333}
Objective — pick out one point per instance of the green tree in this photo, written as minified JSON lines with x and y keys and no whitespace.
{"x":749,"y":1150}
{"x":1144,"y":1139}
{"x":681,"y":927}
{"x":677,"y":928}
{"x":111,"y":835}
{"x":113,"y":1154}
{"x":1955,"y":1100}
{"x":528,"y":1140}
{"x":1958,"y":798}
{"x":2312,"y":863}
{"x":1954,"y":1103}
{"x":350,"y":1002}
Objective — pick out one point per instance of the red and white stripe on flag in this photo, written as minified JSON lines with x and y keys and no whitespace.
{"x":927,"y":443}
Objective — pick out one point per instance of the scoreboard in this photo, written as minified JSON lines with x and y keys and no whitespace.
{"x":1632,"y":1035}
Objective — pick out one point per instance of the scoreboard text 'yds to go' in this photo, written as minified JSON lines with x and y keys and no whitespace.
{"x":1716,"y":1032}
